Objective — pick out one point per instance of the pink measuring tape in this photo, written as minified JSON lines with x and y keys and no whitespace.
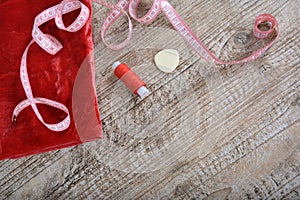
{"x":182,"y":28}
{"x":52,"y":45}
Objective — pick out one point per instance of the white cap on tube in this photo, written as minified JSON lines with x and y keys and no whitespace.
{"x":143,"y":92}
{"x":115,"y":65}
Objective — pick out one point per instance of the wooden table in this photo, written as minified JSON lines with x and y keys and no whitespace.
{"x":206,"y":131}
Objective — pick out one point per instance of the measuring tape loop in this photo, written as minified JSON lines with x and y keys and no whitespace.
{"x":51,"y":45}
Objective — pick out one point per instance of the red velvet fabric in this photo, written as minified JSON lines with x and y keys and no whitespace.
{"x":51,"y":76}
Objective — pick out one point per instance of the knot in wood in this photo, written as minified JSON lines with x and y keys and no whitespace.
{"x":242,"y":38}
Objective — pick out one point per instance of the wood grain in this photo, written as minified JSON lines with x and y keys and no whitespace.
{"x":206,"y":131}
